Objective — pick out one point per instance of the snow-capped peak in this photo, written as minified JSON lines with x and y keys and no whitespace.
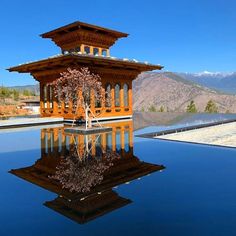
{"x":208,"y":73}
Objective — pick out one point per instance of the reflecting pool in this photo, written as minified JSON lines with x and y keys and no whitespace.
{"x":57,"y":183}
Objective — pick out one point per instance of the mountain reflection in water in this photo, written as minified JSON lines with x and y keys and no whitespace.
{"x":83,"y":170}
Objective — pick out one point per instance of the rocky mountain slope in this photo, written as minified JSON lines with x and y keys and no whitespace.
{"x":175,"y":92}
{"x":225,"y":82}
{"x":33,"y":88}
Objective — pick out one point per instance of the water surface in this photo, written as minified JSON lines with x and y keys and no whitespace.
{"x":155,"y":188}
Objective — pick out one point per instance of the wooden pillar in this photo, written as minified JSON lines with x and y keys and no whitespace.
{"x":70,"y":107}
{"x":122,"y":138}
{"x":41,"y":99}
{"x":93,"y":144}
{"x":82,"y":48}
{"x":55,"y":104}
{"x":92,"y":101}
{"x":55,"y":141}
{"x":63,"y":142}
{"x":131,"y":135}
{"x":91,"y":50}
{"x":81,"y":144}
{"x":47,"y":98}
{"x":99,"y":51}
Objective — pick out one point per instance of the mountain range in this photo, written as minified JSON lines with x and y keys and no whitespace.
{"x":33,"y":88}
{"x":225,"y":82}
{"x":173,"y":91}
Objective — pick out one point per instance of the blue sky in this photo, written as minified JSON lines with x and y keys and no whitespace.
{"x":182,"y":35}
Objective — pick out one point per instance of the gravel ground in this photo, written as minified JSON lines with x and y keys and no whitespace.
{"x":224,"y":135}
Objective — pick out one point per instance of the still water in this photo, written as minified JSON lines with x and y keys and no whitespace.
{"x":114,"y":184}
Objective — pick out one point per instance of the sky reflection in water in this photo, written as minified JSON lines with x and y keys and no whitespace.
{"x":163,"y":188}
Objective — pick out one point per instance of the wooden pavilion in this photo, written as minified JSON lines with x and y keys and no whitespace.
{"x":86,"y":45}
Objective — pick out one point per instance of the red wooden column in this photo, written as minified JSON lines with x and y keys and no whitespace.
{"x":130,"y":96}
{"x":113,"y":139}
{"x":55,"y":103}
{"x":41,"y":99}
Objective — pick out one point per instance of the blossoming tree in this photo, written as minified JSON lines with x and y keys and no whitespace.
{"x":75,"y":86}
{"x":81,"y":172}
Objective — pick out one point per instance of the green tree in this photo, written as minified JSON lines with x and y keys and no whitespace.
{"x":191,"y":107}
{"x":4,"y":93}
{"x":152,"y":108}
{"x":142,"y":109}
{"x":16,"y":95}
{"x":211,"y":107}
{"x":27,"y":93}
{"x":162,"y":109}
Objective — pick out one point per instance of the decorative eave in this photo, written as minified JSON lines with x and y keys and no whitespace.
{"x":75,"y":59}
{"x":77,"y":33}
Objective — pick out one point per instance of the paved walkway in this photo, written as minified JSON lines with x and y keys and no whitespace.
{"x":29,"y":122}
{"x":223,"y":135}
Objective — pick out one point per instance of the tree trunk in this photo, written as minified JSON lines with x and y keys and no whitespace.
{"x":86,"y":117}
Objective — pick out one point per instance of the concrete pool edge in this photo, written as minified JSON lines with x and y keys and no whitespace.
{"x":182,"y":129}
{"x":24,"y":122}
{"x":182,"y":134}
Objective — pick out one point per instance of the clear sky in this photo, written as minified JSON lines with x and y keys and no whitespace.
{"x":182,"y":35}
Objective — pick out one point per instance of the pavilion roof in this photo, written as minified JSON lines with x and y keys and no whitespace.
{"x":81,"y":25}
{"x":73,"y":35}
{"x":70,"y":59}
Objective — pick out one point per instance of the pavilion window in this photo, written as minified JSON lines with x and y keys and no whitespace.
{"x":117,"y":95}
{"x":118,"y":144}
{"x":87,"y":50}
{"x":126,"y":96}
{"x":66,"y":103}
{"x":46,"y":142}
{"x":74,"y":102}
{"x":50,"y":96}
{"x":98,"y":144}
{"x":67,"y":138}
{"x":77,"y":49}
{"x":104,"y":52}
{"x":45,"y":95}
{"x":98,"y":103}
{"x":95,"y":51}
{"x":108,"y":95}
{"x":59,"y":97}
{"x":87,"y":96}
{"x":51,"y":141}
{"x":108,"y":141}
{"x":127,"y":147}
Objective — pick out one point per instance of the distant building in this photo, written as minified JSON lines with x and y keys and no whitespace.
{"x":31,"y":105}
{"x":85,"y":45}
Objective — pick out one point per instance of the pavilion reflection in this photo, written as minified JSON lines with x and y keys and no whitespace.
{"x":107,"y":161}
